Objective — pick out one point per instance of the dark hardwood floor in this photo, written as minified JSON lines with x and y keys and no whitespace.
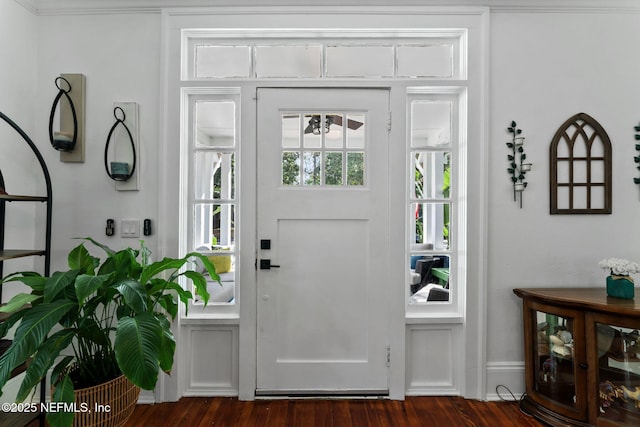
{"x":414,"y":411}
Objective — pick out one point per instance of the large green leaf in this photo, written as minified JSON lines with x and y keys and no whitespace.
{"x":200,"y":284}
{"x":63,"y":392}
{"x":33,"y":280}
{"x":208,"y":265}
{"x":137,"y":348}
{"x":35,"y":326}
{"x":58,"y":282}
{"x":80,"y":259}
{"x":168,"y":347}
{"x":8,"y":323}
{"x":18,"y":302}
{"x":88,"y":284}
{"x":169,"y":304}
{"x":43,"y":360}
{"x":105,"y":248}
{"x":134,"y":294}
{"x":156,"y":268}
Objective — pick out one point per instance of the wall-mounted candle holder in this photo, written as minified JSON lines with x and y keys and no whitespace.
{"x":637,"y":158}
{"x":69,"y":140}
{"x":122,"y":167}
{"x":518,"y":168}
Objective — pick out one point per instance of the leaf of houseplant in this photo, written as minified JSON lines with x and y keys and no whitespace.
{"x":86,"y":285}
{"x":169,"y":304}
{"x":200,"y":283}
{"x":8,"y":323}
{"x":63,"y":392}
{"x":168,"y":347}
{"x":137,"y":347}
{"x":80,"y":259}
{"x":57,"y":283}
{"x":134,"y":294}
{"x":156,"y":268}
{"x":105,"y":248}
{"x":18,"y":301}
{"x":43,"y":360}
{"x":33,"y":328}
{"x":33,"y":280}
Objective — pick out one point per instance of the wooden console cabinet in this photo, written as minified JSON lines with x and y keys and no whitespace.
{"x":582,"y":357}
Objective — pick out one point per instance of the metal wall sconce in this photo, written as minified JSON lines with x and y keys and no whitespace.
{"x":637,"y":158}
{"x":518,"y":168}
{"x":119,"y":170}
{"x":69,"y":140}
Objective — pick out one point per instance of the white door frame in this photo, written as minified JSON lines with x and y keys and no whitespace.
{"x":169,"y":223}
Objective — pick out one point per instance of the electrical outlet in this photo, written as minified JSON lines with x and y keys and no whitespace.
{"x":130,"y":228}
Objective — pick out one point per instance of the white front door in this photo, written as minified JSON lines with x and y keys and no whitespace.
{"x":323,"y":322}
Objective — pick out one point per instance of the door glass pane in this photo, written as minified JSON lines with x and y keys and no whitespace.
{"x":215,"y":124}
{"x":213,"y":224}
{"x":291,"y":168}
{"x":431,"y":175}
{"x":360,"y":61}
{"x":334,"y":130}
{"x":289,"y":61}
{"x":290,"y":130}
{"x":429,"y":278}
{"x":355,"y":131}
{"x":312,"y":161}
{"x":222,"y":61}
{"x":618,"y":373}
{"x":355,"y":168}
{"x":431,"y":124}
{"x":314,"y":127}
{"x":431,"y":224}
{"x":214,"y":175}
{"x":555,"y":370}
{"x":333,"y":168}
{"x":425,"y":61}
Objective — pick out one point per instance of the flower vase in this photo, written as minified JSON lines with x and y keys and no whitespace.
{"x":620,"y":287}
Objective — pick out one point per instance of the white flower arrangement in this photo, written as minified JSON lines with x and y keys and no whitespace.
{"x":619,"y":267}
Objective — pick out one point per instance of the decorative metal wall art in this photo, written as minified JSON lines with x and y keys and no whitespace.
{"x":580,"y":168}
{"x":637,"y":158}
{"x":120,"y":171}
{"x":518,"y":168}
{"x":70,"y":103}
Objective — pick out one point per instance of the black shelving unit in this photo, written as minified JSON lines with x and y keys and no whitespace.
{"x":8,"y":254}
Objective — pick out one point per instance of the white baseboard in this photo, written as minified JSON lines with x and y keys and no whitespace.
{"x":505,"y":381}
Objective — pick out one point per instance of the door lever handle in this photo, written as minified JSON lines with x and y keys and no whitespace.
{"x":265,"y":264}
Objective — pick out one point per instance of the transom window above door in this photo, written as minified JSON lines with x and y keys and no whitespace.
{"x":323,"y":149}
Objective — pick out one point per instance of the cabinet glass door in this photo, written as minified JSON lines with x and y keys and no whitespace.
{"x":554,"y":367}
{"x":618,"y":372}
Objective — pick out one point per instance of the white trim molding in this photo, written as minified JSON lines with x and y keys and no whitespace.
{"x":79,"y":7}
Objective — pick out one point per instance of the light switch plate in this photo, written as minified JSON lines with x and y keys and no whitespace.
{"x":130,"y":228}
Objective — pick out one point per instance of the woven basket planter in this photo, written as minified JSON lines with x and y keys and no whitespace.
{"x":110,"y":404}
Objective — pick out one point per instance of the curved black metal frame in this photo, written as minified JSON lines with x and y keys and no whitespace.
{"x":60,"y":144}
{"x":106,"y":148}
{"x":47,"y":254}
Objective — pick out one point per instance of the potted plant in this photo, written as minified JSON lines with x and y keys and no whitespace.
{"x":620,"y":282}
{"x":97,"y":321}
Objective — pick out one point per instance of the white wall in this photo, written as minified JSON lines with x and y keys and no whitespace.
{"x":119,"y":54}
{"x":546,"y":67}
{"x":17,"y":95}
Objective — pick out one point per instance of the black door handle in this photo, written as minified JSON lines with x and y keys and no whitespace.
{"x":265,"y":264}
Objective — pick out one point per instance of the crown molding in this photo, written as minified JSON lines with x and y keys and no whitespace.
{"x":80,"y":7}
{"x":29,"y":5}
